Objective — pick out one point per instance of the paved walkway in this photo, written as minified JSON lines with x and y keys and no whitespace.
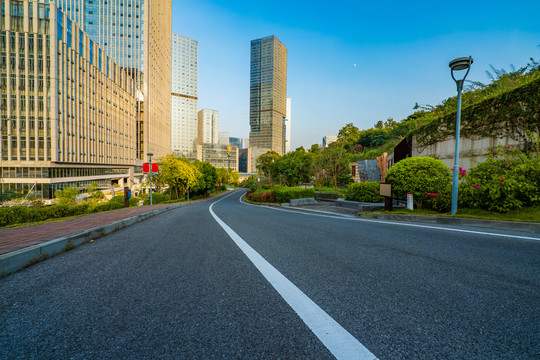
{"x":12,"y":239}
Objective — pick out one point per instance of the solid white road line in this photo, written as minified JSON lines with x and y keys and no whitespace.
{"x":400,"y":223}
{"x":336,"y":339}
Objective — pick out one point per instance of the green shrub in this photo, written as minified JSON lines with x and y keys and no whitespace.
{"x":419,"y":176}
{"x":365,"y":191}
{"x":21,"y":214}
{"x":284,"y":194}
{"x":108,"y":206}
{"x":507,"y":180}
{"x":157,"y":198}
{"x":119,"y":199}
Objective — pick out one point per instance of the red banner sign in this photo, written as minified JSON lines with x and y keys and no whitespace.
{"x":145,"y":168}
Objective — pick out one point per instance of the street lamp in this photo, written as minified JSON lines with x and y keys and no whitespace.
{"x":150,"y":166}
{"x":260,"y":172}
{"x":463,"y":63}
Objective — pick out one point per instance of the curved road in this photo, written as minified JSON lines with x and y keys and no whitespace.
{"x":229,"y":280}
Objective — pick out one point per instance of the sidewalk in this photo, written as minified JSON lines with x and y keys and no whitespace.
{"x":12,"y":239}
{"x":24,"y":246}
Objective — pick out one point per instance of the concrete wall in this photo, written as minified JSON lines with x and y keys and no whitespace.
{"x":471,"y":150}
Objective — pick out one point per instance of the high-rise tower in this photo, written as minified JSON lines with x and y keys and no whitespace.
{"x":185,"y":56}
{"x":268,"y":94}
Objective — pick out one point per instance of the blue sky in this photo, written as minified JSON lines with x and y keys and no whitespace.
{"x":352,"y":61}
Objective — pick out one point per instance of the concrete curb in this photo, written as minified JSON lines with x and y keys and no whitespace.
{"x":20,"y":259}
{"x":529,"y":227}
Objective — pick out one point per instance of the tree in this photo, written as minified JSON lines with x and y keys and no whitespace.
{"x":67,"y":196}
{"x":348,"y":134}
{"x":227,"y":176}
{"x":335,"y":161}
{"x":208,"y":179}
{"x":293,"y":168}
{"x":315,"y":149}
{"x":178,"y":173}
{"x":267,"y":160}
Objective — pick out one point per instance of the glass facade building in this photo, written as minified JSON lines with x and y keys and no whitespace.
{"x":67,"y":110}
{"x":133,"y":33}
{"x":268,"y":93}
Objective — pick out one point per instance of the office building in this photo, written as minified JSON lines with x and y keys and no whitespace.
{"x":288,"y":126}
{"x":137,"y":36}
{"x":218,"y":155}
{"x":67,"y":110}
{"x":327,"y":140}
{"x":223,"y":138}
{"x":236,"y":142}
{"x":208,"y":126}
{"x":184,"y":122}
{"x":268,"y":93}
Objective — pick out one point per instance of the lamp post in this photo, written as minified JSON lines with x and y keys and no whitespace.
{"x":150,"y":166}
{"x":463,"y":63}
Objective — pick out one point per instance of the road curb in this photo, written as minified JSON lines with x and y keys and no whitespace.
{"x":529,"y":227}
{"x":20,"y":259}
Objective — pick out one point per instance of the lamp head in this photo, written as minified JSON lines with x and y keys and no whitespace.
{"x":461,"y":63}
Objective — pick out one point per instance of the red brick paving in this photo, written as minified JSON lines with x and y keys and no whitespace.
{"x":13,"y":239}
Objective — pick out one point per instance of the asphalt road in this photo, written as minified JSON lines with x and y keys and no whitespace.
{"x":178,"y":286}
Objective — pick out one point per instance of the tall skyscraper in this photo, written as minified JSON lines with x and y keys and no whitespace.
{"x":208,"y":126}
{"x":268,"y":93}
{"x":136,"y":35}
{"x":185,"y":58}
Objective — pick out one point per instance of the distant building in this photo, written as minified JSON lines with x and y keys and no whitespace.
{"x":246,"y":143}
{"x":288,"y":127}
{"x":327,"y":140}
{"x":208,"y":127}
{"x":244,"y":160}
{"x":236,"y":142}
{"x":184,"y":92}
{"x":218,"y":155}
{"x":223,"y":138}
{"x":267,"y":94}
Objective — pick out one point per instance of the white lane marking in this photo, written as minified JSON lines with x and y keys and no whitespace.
{"x":336,"y":339}
{"x":402,"y":223}
{"x":242,"y":201}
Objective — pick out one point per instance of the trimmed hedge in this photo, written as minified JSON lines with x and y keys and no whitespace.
{"x":365,"y":192}
{"x":22,"y":214}
{"x":284,"y":194}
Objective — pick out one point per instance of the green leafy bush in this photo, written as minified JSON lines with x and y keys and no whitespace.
{"x":21,"y":214}
{"x":284,"y":194}
{"x":108,"y":206}
{"x":365,"y":191}
{"x":157,"y":198}
{"x":419,"y":175}
{"x":507,"y":180}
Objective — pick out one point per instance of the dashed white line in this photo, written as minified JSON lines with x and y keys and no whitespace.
{"x":336,"y":339}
